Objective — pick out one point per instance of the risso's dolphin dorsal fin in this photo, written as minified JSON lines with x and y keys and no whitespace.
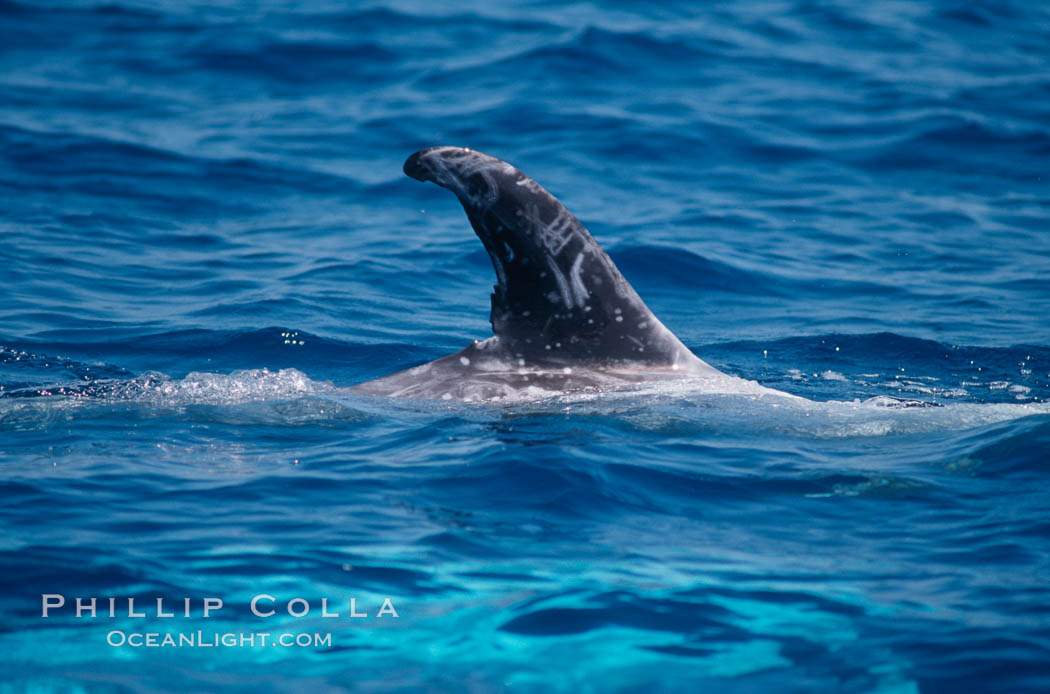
{"x":558,"y":297}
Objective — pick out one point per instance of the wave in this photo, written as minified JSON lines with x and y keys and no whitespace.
{"x":56,"y":160}
{"x":829,"y":364}
{"x":847,"y":366}
{"x":937,"y":142}
{"x":666,"y":267}
{"x":289,"y":396}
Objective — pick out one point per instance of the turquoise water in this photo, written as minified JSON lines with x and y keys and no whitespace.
{"x":207,"y":236}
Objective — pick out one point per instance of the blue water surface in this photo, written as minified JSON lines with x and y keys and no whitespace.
{"x":206,"y":236}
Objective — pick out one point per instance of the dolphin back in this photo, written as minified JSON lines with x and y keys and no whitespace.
{"x":558,"y":298}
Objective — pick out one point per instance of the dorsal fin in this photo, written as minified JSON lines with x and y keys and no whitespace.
{"x":558,"y":296}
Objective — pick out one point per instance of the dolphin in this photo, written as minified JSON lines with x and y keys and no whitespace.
{"x":563,"y":318}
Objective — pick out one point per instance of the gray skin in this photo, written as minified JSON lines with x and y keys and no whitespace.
{"x":563,"y":317}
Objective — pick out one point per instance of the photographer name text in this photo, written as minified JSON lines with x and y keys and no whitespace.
{"x":262,"y":605}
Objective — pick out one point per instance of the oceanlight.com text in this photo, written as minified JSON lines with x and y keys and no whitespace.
{"x":229,"y":639}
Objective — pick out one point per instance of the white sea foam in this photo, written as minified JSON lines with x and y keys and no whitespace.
{"x":699,"y":401}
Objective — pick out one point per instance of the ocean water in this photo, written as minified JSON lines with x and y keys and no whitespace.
{"x":206,"y":236}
